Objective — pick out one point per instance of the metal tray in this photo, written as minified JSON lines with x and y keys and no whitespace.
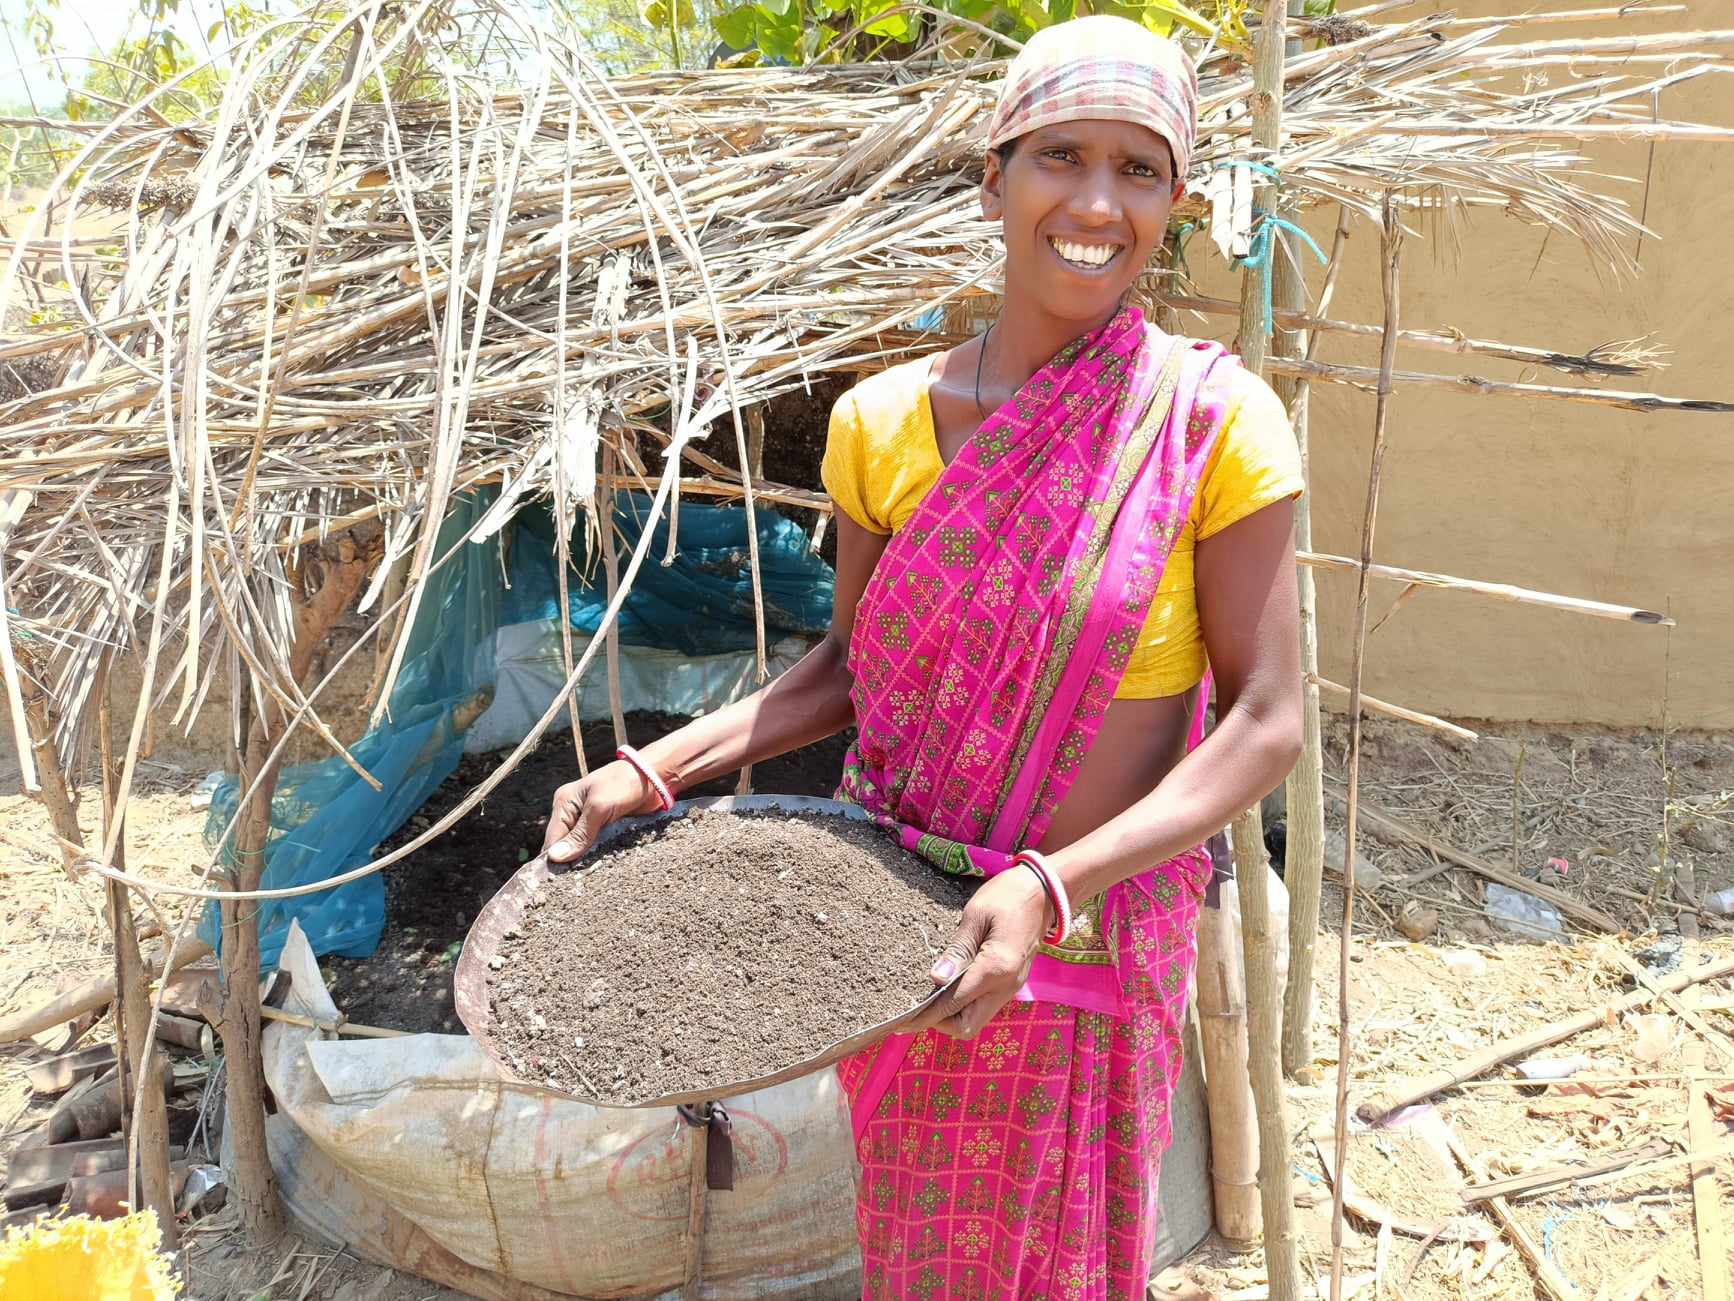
{"x":506,"y":909}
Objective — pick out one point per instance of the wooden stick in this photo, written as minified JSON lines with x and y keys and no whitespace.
{"x":1391,"y":248}
{"x":1561,"y":1176}
{"x":1372,"y":704}
{"x":1258,"y":939}
{"x":150,"y":1183}
{"x":1706,"y":1195}
{"x":1391,"y":825}
{"x":1531,"y":1041}
{"x":1553,"y":1282}
{"x":1499,"y":591}
{"x":1221,"y":1003}
{"x":93,"y":993}
{"x":331,"y":1027}
{"x":1332,"y":372}
{"x":1304,"y":792}
{"x":1435,"y":340}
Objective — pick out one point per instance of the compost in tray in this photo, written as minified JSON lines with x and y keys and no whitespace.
{"x":715,"y":948}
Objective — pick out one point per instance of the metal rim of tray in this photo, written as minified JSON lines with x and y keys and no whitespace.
{"x":506,"y":910}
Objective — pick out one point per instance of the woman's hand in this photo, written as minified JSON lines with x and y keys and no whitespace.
{"x":993,"y":949}
{"x":582,"y":808}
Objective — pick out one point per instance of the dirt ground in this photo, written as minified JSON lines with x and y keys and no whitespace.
{"x":1592,"y":798}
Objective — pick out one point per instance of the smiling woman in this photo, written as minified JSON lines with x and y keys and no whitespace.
{"x":1044,"y":538}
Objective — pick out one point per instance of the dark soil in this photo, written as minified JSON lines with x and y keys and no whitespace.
{"x":432,"y":897}
{"x":714,"y":949}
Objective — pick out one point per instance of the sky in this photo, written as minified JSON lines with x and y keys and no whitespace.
{"x":83,"y":28}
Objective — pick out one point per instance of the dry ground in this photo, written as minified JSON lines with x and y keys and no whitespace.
{"x":1592,"y":798}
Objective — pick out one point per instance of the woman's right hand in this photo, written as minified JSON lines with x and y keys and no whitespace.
{"x":584,"y":807}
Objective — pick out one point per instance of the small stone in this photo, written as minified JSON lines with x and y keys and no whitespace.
{"x":1418,"y":921}
{"x":497,"y":961}
{"x":821,"y":918}
{"x":1367,"y":873}
{"x":596,"y":994}
{"x":1705,"y":837}
{"x":578,"y":1042}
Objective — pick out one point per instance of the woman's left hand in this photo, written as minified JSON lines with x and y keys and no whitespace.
{"x":992,"y":949}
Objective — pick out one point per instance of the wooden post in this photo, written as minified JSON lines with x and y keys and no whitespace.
{"x":254,"y":1185}
{"x":1304,"y":854}
{"x":55,"y":794}
{"x":1264,"y":1030}
{"x":1263,"y":994}
{"x":1221,"y":1000}
{"x":150,"y":1182}
{"x":1392,"y":243}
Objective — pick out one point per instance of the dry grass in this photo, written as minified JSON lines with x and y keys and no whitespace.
{"x":449,"y":266}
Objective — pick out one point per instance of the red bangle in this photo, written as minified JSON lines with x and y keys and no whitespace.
{"x":1056,"y":892}
{"x":664,"y":796}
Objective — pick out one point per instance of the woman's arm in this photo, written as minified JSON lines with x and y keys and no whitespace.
{"x":1250,"y":615}
{"x":807,"y":703}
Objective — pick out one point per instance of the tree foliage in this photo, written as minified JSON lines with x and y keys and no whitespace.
{"x":834,"y":31}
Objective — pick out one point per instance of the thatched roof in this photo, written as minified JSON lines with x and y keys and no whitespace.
{"x":398,"y":261}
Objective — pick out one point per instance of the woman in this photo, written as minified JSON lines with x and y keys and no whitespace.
{"x":1042,"y":537}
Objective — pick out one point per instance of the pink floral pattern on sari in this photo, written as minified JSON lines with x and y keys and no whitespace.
{"x":987,"y":649}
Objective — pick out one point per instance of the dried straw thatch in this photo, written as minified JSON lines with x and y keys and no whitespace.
{"x":410,"y":254}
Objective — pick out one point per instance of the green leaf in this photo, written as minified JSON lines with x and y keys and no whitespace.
{"x":1062,"y":10}
{"x":736,"y":27}
{"x":776,"y":8}
{"x":896,"y":26}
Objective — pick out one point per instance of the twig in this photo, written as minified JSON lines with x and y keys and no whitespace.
{"x":1391,"y":249}
{"x":1499,"y":591}
{"x":1374,"y":705}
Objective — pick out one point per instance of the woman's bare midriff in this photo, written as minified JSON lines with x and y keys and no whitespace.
{"x":1140,"y":740}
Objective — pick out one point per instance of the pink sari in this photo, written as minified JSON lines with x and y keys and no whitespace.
{"x":986,"y":651}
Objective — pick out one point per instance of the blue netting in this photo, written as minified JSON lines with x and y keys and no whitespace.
{"x":702,"y":604}
{"x":325,"y":819}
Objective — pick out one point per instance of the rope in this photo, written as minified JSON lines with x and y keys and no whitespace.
{"x":1264,"y":241}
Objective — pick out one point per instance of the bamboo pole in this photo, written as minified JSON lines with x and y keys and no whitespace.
{"x":1258,"y":946}
{"x":1222,"y":1033}
{"x":1391,"y":247}
{"x":150,"y":1182}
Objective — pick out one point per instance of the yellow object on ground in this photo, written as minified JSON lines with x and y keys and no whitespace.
{"x":84,"y":1259}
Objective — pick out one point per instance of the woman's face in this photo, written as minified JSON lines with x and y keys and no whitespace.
{"x":1082,"y":206}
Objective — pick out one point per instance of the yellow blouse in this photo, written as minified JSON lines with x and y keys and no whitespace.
{"x":882,"y":457}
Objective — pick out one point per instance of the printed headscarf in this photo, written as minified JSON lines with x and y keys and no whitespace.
{"x":1100,"y":67}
